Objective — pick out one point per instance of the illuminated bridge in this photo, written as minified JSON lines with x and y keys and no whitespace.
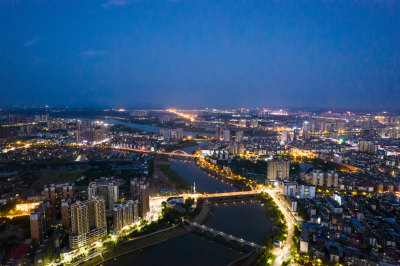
{"x":173,"y":153}
{"x":223,"y":195}
{"x":226,"y":237}
{"x":231,"y":194}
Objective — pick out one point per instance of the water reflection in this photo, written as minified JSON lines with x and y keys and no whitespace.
{"x":204,"y":182}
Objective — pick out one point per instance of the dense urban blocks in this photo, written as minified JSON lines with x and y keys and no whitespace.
{"x":79,"y":193}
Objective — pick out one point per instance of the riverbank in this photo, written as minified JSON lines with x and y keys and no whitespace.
{"x":247,"y":260}
{"x":196,"y":249}
{"x":137,"y":244}
{"x":236,"y":183}
{"x":204,"y":214}
{"x":279,"y":230}
{"x":165,"y":177}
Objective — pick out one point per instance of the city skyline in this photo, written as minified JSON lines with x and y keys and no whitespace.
{"x":182,"y":132}
{"x":335,"y":54}
{"x":88,"y":186}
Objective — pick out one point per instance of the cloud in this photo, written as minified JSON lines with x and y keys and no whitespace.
{"x":112,"y":3}
{"x":33,"y":41}
{"x":92,"y":53}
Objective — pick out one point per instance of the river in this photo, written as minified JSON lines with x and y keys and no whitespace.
{"x":247,"y":220}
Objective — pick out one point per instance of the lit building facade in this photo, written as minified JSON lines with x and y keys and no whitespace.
{"x":140,"y":191}
{"x":107,"y":189}
{"x":54,"y":194}
{"x":125,"y":213}
{"x":88,"y":222}
{"x":40,"y":221}
{"x":278,"y":170}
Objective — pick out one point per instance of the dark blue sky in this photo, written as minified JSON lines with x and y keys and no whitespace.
{"x":200,"y":53}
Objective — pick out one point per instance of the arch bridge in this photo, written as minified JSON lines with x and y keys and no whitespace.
{"x":179,"y":152}
{"x":173,"y":153}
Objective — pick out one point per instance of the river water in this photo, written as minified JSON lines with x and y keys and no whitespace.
{"x":247,"y":220}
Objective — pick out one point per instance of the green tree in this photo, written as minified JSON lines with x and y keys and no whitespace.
{"x":189,"y":203}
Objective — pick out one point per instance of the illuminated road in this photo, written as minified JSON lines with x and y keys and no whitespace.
{"x":15,"y":215}
{"x":198,"y":195}
{"x":191,"y":117}
{"x":283,"y":253}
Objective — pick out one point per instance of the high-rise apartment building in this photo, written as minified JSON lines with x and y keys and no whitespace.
{"x":226,"y":135}
{"x":134,"y":188}
{"x":367,"y":146}
{"x":179,"y":133}
{"x":55,"y":193}
{"x":140,"y":191}
{"x":172,"y":134}
{"x":167,"y":118}
{"x":321,"y":179}
{"x":329,"y":179}
{"x":278,"y":169}
{"x":332,"y":179}
{"x":314,"y":178}
{"x":40,"y":222}
{"x":92,"y":134}
{"x":236,"y":148}
{"x":88,"y":222}
{"x":218,"y":133}
{"x":306,"y":134}
{"x":125,"y":213}
{"x":289,"y":189}
{"x":42,"y":118}
{"x":65,"y":213}
{"x":14,"y":118}
{"x":144,"y":202}
{"x":105,"y":188}
{"x":306,"y":191}
{"x":296,"y":134}
{"x":336,"y":180}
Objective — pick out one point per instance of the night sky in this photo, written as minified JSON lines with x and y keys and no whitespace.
{"x":195,"y":53}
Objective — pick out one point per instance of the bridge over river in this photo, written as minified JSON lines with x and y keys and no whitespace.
{"x":237,"y":194}
{"x":227,"y":237}
{"x":172,"y":153}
